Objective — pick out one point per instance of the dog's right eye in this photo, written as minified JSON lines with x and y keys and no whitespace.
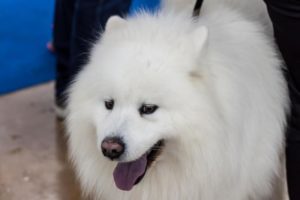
{"x":147,"y":109}
{"x":109,"y":104}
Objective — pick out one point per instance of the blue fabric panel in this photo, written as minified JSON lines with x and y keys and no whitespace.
{"x":25,"y":28}
{"x":149,"y":5}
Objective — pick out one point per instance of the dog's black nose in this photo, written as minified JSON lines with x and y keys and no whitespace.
{"x":112,"y":147}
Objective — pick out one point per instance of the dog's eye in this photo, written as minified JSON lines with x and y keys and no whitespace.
{"x":147,"y":109}
{"x":109,"y":104}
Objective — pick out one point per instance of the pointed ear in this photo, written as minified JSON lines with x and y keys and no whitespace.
{"x":114,"y":22}
{"x":200,"y":36}
{"x":200,"y":39}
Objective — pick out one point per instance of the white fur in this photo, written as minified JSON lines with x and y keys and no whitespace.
{"x":222,"y":102}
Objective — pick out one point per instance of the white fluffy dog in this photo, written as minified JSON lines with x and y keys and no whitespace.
{"x":173,"y":108}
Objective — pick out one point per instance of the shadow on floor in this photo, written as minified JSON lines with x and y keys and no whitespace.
{"x":68,"y":185}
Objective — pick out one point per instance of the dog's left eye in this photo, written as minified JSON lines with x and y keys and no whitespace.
{"x":147,"y":109}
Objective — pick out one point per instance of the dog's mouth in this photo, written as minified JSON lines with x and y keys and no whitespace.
{"x":128,"y":174}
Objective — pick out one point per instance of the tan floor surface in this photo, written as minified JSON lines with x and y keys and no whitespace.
{"x":33,"y":163}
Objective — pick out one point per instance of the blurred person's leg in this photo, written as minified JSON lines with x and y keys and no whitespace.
{"x":89,"y":20}
{"x":77,"y":25}
{"x":285,"y":15}
{"x":63,"y":20}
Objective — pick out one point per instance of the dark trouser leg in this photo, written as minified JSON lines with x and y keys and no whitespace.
{"x":77,"y":25}
{"x":63,"y":19}
{"x":285,"y":15}
{"x":90,"y":19}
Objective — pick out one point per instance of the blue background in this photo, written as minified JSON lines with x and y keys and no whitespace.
{"x":25,"y":28}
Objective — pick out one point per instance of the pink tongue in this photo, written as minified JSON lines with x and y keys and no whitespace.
{"x":126,"y":174}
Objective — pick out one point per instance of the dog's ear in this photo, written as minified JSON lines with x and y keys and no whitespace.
{"x":200,"y":40}
{"x":200,"y":36}
{"x":114,"y":22}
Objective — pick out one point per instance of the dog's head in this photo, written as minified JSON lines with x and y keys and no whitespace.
{"x":140,"y":89}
